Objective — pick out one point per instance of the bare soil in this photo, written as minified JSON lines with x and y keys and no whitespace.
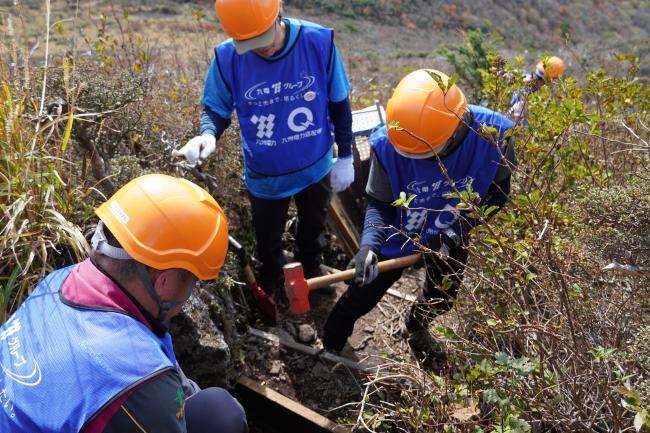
{"x":320,"y":385}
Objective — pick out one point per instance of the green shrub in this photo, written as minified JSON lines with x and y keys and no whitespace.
{"x":543,"y":338}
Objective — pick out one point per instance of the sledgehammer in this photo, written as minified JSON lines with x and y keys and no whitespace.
{"x":297,"y":287}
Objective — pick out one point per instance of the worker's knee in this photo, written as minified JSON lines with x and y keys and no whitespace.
{"x":214,"y":410}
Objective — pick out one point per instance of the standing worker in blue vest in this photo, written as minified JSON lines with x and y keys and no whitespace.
{"x":547,"y":69}
{"x":286,"y":80}
{"x":437,"y":129}
{"x":88,"y":351}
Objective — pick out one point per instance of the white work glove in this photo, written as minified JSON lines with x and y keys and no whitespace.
{"x":342,"y":174}
{"x":198,"y":148}
{"x":516,"y":112}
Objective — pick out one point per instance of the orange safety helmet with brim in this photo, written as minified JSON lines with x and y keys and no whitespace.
{"x":552,"y":67}
{"x":166,"y":223}
{"x":430,"y":115}
{"x":250,"y":23}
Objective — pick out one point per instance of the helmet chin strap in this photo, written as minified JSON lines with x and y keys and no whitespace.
{"x":100,"y":245}
{"x":163,"y":306}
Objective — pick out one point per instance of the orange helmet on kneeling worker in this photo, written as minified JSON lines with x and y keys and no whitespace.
{"x":250,"y":23}
{"x":167,"y":223}
{"x":552,"y":67}
{"x":425,"y":111}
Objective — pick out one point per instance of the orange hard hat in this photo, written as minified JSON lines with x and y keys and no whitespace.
{"x":249,"y":22}
{"x":167,"y":223}
{"x":423,"y":109}
{"x":551,"y":67}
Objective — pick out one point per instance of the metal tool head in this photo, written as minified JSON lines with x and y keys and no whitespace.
{"x":264,"y":303}
{"x":296,"y":288}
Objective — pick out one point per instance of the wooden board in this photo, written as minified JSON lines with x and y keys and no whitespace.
{"x":343,"y":226}
{"x":283,"y":413}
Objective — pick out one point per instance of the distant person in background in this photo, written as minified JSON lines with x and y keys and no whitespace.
{"x":447,"y":156}
{"x":286,"y":80}
{"x":89,"y":349}
{"x":547,"y":69}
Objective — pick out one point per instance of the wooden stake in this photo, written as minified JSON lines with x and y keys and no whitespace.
{"x":343,"y":226}
{"x":401,"y":295}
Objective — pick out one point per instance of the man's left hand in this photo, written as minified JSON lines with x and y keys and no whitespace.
{"x":444,"y":242}
{"x":342,"y":174}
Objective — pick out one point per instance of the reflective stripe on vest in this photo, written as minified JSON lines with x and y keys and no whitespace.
{"x":61,"y":365}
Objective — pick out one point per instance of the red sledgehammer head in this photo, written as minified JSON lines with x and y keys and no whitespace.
{"x":296,"y":288}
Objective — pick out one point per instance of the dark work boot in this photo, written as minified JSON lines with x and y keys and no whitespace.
{"x":426,"y":350}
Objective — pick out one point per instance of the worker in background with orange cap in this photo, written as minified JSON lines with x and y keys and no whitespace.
{"x":89,"y":349}
{"x":286,"y":81}
{"x":549,"y":68}
{"x":435,"y":150}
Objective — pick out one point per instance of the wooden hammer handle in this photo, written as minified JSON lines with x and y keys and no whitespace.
{"x":348,"y":274}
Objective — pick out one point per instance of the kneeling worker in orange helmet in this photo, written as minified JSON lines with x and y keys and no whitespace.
{"x":89,"y":348}
{"x":436,"y":130}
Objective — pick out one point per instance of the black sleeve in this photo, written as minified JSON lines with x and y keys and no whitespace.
{"x":158,"y":406}
{"x":378,"y":216}
{"x":341,"y":117}
{"x":379,"y":212}
{"x":212,"y":123}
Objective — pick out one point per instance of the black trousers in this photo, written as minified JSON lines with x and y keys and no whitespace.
{"x":214,"y":410}
{"x":269,"y":219}
{"x":435,"y":298}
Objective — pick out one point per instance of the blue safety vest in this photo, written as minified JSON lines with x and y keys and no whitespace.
{"x":475,"y":161}
{"x":61,"y":364}
{"x":282,"y":103}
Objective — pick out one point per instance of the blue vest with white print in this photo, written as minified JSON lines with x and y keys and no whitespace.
{"x":61,"y":364}
{"x":282,"y":103}
{"x":475,"y":161}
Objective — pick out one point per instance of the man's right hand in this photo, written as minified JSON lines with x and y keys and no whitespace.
{"x":198,"y":148}
{"x":365,"y":266}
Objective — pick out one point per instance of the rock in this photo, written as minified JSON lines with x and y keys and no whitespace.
{"x":201,"y":348}
{"x":276,"y":367}
{"x":321,"y":371}
{"x":306,"y":333}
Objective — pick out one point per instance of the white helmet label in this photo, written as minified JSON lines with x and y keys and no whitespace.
{"x":118,"y":212}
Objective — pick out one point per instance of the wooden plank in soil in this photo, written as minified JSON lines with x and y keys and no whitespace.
{"x":277,"y":411}
{"x":343,"y":226}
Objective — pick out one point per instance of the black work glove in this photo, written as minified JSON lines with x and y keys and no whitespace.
{"x":444,"y":242}
{"x":365,"y":265}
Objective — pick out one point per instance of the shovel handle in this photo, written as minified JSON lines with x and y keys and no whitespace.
{"x":348,"y":274}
